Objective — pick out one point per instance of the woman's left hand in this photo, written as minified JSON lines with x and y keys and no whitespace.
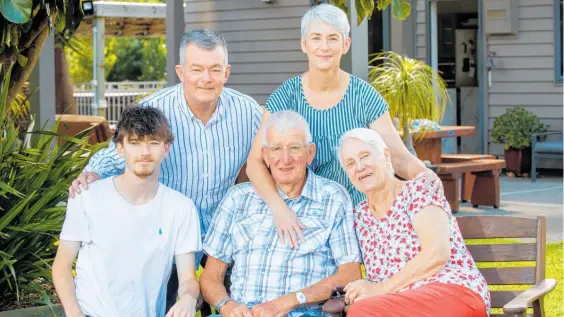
{"x":362,"y":288}
{"x":435,"y":183}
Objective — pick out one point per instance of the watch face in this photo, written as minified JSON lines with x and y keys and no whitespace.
{"x":301,"y":298}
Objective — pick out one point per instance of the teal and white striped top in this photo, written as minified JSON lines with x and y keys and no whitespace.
{"x":360,"y":106}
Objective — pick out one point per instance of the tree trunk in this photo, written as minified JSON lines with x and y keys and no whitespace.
{"x":408,"y":140}
{"x":21,"y":74}
{"x":64,"y":90}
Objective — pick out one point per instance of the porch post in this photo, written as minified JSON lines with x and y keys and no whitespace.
{"x":99,"y":104}
{"x":356,"y":61}
{"x":433,"y":36}
{"x":174,"y":33}
{"x":43,"y":102}
{"x":483,"y":87}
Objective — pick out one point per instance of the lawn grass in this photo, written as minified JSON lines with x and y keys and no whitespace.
{"x":553,"y":301}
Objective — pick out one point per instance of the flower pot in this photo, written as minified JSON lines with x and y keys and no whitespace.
{"x":518,"y":161}
{"x":41,"y":311}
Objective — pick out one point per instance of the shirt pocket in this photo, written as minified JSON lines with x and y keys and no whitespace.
{"x":316,"y":234}
{"x":246,"y":230}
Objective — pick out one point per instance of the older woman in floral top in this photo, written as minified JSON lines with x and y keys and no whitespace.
{"x":415,"y":258}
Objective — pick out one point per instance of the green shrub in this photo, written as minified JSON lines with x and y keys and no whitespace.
{"x":515,"y":128}
{"x":34,"y":181}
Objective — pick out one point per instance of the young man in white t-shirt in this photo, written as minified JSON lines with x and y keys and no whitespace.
{"x":126,"y":231}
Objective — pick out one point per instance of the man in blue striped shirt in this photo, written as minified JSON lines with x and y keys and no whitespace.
{"x":214,"y":127}
{"x":270,"y":278}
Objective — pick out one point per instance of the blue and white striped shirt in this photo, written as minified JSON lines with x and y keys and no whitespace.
{"x":360,"y":106}
{"x":204,"y":160}
{"x":243,"y":231}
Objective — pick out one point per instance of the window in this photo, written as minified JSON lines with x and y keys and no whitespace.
{"x":558,"y":42}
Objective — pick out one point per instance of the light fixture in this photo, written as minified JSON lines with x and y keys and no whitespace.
{"x":87,"y":7}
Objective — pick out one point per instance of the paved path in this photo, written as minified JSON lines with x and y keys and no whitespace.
{"x":520,"y":197}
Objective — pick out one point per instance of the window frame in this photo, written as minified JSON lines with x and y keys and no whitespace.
{"x":558,"y":50}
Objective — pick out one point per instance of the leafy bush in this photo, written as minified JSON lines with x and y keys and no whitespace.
{"x":515,"y":128}
{"x":34,"y":180}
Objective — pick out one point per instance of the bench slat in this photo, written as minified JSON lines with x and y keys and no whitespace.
{"x":460,"y":157}
{"x":509,"y":275}
{"x":497,"y":227}
{"x":470,"y":166}
{"x":500,"y":298}
{"x":503,"y":252}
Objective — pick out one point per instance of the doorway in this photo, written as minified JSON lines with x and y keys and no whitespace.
{"x":378,"y":33}
{"x":458,"y":62}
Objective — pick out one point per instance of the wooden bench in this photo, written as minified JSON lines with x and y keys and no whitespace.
{"x":544,"y":149}
{"x":514,"y":303}
{"x":467,"y":178}
{"x":485,"y":190}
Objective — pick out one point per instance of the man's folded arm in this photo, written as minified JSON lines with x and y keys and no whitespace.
{"x":321,"y":291}
{"x":63,"y":279}
{"x":211,"y":281}
{"x":188,"y":284}
{"x":218,"y":247}
{"x":346,"y":254}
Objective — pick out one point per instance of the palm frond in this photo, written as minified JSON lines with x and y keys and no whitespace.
{"x":412,"y":89}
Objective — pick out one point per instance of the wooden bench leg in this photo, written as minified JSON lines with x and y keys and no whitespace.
{"x":467,"y":186}
{"x":486,"y":189}
{"x":452,"y":190}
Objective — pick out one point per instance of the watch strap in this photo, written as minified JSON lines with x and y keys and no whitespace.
{"x":222,"y":303}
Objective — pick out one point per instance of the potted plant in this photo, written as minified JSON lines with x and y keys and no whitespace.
{"x":412,"y":89}
{"x":514,"y":128}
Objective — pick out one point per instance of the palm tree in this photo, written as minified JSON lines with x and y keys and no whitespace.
{"x":413,"y":90}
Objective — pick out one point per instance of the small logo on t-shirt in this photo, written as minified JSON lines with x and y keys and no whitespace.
{"x":160,"y":232}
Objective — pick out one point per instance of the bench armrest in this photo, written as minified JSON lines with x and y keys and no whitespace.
{"x":519,"y":304}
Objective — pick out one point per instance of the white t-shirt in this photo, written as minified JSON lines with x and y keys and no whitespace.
{"x":126,"y":254}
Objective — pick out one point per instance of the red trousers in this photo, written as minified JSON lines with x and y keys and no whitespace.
{"x":430,"y":300}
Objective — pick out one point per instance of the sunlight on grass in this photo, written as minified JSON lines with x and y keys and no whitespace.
{"x":553,"y":301}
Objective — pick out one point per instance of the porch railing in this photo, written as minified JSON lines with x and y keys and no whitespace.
{"x":119,"y":96}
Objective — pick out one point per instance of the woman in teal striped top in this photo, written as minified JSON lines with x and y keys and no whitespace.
{"x":333,"y":102}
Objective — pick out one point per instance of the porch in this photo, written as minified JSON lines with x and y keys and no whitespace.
{"x":118,"y":95}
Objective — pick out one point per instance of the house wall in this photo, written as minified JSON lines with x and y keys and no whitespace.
{"x":524,"y":72}
{"x":421,"y":28}
{"x":263,"y":40}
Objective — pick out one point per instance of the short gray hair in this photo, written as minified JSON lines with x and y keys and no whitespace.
{"x":365,"y":135}
{"x":329,"y":14}
{"x":284,"y":121}
{"x":205,"y":39}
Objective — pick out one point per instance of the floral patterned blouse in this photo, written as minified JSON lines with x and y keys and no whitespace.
{"x":388,"y":243}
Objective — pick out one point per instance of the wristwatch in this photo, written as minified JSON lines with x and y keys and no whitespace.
{"x":222,"y":303}
{"x":301,"y":298}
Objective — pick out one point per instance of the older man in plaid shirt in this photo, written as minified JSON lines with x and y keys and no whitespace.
{"x":269,"y":278}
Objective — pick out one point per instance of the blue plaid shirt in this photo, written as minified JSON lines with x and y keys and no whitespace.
{"x":243,"y":231}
